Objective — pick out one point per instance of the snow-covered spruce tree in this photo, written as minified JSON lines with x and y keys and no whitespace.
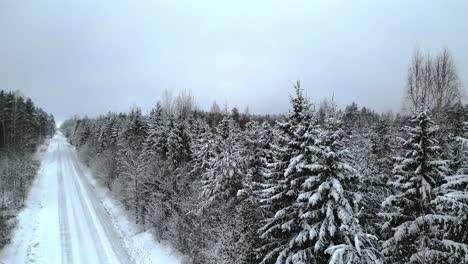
{"x":308,"y":193}
{"x":329,"y":223}
{"x":415,"y":237}
{"x":81,"y":132}
{"x":158,"y":194}
{"x":157,"y":130}
{"x":224,"y":175}
{"x":203,"y":147}
{"x":456,"y":131}
{"x":452,"y":211}
{"x":154,"y":180}
{"x":220,"y":182}
{"x":281,"y":190}
{"x":374,"y":177}
{"x":105,"y":136}
{"x":179,"y":157}
{"x":178,"y":142}
{"x":130,"y":160}
{"x":452,"y":206}
{"x":256,"y":152}
{"x":105,"y":164}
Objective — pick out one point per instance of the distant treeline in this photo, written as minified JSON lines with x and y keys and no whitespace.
{"x":23,"y":127}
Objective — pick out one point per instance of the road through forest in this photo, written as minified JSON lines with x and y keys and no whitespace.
{"x":64,"y":221}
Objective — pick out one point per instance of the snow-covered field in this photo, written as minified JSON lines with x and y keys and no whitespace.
{"x":68,"y":219}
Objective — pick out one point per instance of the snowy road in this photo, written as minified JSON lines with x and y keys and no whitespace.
{"x":63,"y":221}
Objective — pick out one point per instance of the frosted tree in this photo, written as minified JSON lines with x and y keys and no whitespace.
{"x":157,"y":132}
{"x":452,"y":206}
{"x":282,"y":188}
{"x":375,"y":165}
{"x":224,"y":175}
{"x":221,"y":177}
{"x":358,"y":247}
{"x":82,"y":132}
{"x":310,"y":195}
{"x":256,"y":154}
{"x":204,"y":149}
{"x":130,"y":160}
{"x":23,"y":126}
{"x":329,"y":222}
{"x":454,"y":132}
{"x":106,"y":137}
{"x":410,"y":218}
{"x":178,"y":143}
{"x":158,"y":195}
{"x":452,"y":213}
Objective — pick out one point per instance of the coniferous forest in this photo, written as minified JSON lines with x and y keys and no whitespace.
{"x":23,"y":128}
{"x":318,"y":184}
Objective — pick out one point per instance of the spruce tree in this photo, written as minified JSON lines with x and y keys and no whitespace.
{"x":410,"y":217}
{"x":311,"y":196}
{"x":452,"y":205}
{"x":131,"y":160}
{"x":281,"y":189}
{"x":224,"y":175}
{"x":329,"y":223}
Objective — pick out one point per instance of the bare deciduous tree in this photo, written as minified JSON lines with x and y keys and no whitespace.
{"x":184,"y":104}
{"x":167,"y":102}
{"x":446,"y":88}
{"x":432,"y":82}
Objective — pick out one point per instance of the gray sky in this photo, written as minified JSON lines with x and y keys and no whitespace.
{"x":92,"y":56}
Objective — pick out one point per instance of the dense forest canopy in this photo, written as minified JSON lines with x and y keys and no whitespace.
{"x":315,"y":185}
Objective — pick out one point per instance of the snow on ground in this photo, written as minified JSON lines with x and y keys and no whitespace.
{"x":142,"y":246}
{"x":64,"y":222}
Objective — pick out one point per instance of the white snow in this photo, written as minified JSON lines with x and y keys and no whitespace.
{"x":64,"y":220}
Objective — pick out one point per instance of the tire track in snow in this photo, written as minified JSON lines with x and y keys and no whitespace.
{"x":65,"y":241}
{"x":91,"y":225}
{"x":76,"y":225}
{"x":102,"y":216}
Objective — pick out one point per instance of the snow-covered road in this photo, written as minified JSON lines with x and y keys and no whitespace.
{"x":64,"y":221}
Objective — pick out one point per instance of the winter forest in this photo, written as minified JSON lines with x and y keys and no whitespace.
{"x":318,"y":184}
{"x":23,"y":128}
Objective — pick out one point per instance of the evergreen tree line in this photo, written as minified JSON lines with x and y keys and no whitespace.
{"x":23,"y":127}
{"x":315,"y":185}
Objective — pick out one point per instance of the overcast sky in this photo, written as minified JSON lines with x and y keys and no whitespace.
{"x":92,"y":56}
